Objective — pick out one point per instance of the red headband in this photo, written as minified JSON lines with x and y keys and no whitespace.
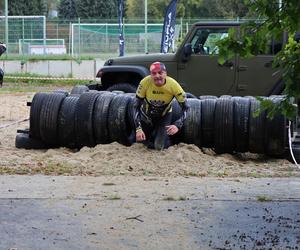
{"x":157,"y":66}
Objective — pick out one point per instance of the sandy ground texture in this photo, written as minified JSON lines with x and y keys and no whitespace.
{"x":116,"y":159}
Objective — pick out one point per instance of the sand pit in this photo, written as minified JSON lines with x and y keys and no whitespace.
{"x":116,"y":159}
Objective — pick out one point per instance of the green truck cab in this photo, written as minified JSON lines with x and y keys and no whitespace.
{"x":195,"y":66}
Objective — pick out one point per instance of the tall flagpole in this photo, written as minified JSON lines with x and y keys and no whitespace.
{"x":6,"y":25}
{"x":146,"y":25}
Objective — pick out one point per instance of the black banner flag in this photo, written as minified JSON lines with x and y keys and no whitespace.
{"x":168,"y":33}
{"x":121,"y":26}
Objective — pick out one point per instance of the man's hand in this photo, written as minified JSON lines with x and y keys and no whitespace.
{"x":140,"y":135}
{"x":172,"y":129}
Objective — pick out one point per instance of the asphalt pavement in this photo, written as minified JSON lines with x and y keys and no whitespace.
{"x":64,"y":212}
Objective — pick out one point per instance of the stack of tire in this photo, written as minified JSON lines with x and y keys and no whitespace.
{"x":88,"y":118}
{"x":94,"y":117}
{"x":228,"y":124}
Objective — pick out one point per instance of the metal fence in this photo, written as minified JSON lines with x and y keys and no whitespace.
{"x":28,"y":35}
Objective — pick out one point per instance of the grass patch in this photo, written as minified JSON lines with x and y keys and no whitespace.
{"x":171,"y":198}
{"x":263,"y":198}
{"x":114,"y":197}
{"x":48,"y":169}
{"x":24,"y":78}
{"x":10,"y":171}
{"x":35,"y":85}
{"x":55,"y":169}
{"x":108,"y":184}
{"x":32,"y":58}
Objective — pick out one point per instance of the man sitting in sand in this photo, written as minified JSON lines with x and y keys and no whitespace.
{"x":153,"y":117}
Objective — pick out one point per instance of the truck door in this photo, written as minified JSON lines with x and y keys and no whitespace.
{"x":201,"y":74}
{"x":255,"y":76}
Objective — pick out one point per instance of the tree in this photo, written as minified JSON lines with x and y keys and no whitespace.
{"x":24,"y":7}
{"x":67,"y":9}
{"x":273,"y":21}
{"x":97,"y":8}
{"x":222,"y":9}
{"x":189,"y":8}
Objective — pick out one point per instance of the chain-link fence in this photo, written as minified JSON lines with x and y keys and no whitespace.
{"x":36,"y":35}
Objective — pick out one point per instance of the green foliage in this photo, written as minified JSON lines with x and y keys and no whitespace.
{"x":97,"y":8}
{"x":188,"y":9}
{"x":67,"y":9}
{"x":273,"y":22}
{"x":25,"y":7}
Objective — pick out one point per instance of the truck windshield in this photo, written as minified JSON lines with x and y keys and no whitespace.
{"x":205,"y":39}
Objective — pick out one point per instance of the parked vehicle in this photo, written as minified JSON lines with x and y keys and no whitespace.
{"x":195,"y":65}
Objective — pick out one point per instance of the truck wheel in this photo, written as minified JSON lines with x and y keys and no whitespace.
{"x":126,"y":87}
{"x":26,"y":142}
{"x":208,"y":118}
{"x":241,"y":111}
{"x":224,"y":126}
{"x":66,"y":122}
{"x":79,"y":89}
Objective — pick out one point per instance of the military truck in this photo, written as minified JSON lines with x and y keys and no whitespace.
{"x":195,"y":66}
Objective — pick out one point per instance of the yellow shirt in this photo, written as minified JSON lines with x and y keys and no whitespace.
{"x":159,"y":98}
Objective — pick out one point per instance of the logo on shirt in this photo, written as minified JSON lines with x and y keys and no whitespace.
{"x":157,"y":92}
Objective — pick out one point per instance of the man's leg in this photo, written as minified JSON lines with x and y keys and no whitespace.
{"x":148,"y":130}
{"x":1,"y":77}
{"x":162,"y":139}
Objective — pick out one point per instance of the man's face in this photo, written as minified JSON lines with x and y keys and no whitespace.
{"x":159,"y":77}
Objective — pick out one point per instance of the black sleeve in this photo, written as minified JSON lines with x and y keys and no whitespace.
{"x":137,"y":112}
{"x":184,"y":106}
{"x":2,"y":48}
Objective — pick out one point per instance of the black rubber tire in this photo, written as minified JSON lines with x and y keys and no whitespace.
{"x":208,"y":120}
{"x":118,"y":92}
{"x":125,"y":87}
{"x":256,"y":129}
{"x":61,"y":91}
{"x":204,"y":97}
{"x":27,"y":142}
{"x":49,"y":117}
{"x":241,"y":123}
{"x":79,"y":89}
{"x":117,"y":121}
{"x":35,"y":112}
{"x":176,"y":111}
{"x":276,"y":133}
{"x":131,"y":110}
{"x":176,"y":114}
{"x":223,"y":139}
{"x":100,"y":121}
{"x":190,"y":95}
{"x":66,"y":122}
{"x":191,"y":130}
{"x":226,"y":96}
{"x":84,"y":119}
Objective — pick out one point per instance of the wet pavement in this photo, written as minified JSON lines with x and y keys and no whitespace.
{"x":46,"y":212}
